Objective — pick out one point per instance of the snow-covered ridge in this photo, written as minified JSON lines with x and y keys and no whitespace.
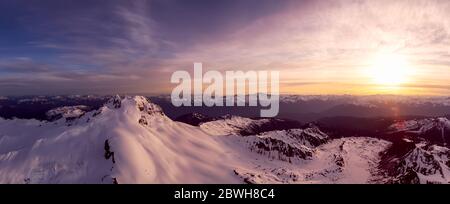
{"x":424,"y":164}
{"x":287,"y":145}
{"x":67,"y":112}
{"x":236,"y":125}
{"x":131,"y":140}
{"x":345,"y":160}
{"x":229,"y":126}
{"x":127,"y":141}
{"x":421,"y":125}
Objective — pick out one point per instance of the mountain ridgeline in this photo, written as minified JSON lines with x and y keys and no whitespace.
{"x":133,"y":139}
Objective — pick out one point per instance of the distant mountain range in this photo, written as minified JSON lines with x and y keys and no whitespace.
{"x":313,"y":108}
{"x":301,"y":108}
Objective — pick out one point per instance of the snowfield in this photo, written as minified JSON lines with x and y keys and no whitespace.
{"x":131,"y":140}
{"x":229,"y":126}
{"x":346,"y":160}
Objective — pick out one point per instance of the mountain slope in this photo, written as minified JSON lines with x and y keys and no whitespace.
{"x":423,"y":163}
{"x":128,"y":141}
{"x":345,"y":160}
{"x":131,"y":140}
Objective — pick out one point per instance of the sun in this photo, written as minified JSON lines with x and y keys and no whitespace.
{"x":390,"y":69}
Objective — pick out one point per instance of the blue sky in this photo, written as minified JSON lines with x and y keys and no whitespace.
{"x":53,"y":46}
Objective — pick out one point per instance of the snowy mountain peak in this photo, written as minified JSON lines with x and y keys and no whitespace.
{"x":114,"y":102}
{"x":144,"y":105}
{"x":131,"y":104}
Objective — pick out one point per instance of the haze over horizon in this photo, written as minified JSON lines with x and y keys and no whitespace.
{"x":328,"y":47}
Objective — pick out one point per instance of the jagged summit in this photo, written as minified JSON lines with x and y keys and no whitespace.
{"x":128,"y":106}
{"x":114,"y":102}
{"x":140,"y":102}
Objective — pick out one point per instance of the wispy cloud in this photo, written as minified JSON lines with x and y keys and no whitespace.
{"x":333,"y":40}
{"x":129,"y":46}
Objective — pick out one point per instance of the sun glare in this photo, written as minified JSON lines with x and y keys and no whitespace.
{"x":390,"y":69}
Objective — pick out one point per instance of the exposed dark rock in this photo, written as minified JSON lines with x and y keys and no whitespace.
{"x":143,"y":121}
{"x":108,"y":152}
